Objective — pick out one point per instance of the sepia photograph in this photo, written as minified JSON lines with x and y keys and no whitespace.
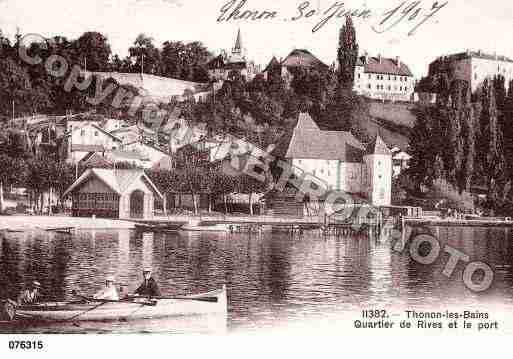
{"x":241,"y":167}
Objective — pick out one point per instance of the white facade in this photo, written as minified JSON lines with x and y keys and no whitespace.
{"x":383,"y":86}
{"x":341,"y":163}
{"x":379,"y":179}
{"x":473,"y":67}
{"x":83,"y":139}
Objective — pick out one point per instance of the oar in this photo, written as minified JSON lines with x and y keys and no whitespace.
{"x":85,"y":311}
{"x":124,"y":300}
{"x":201,"y":299}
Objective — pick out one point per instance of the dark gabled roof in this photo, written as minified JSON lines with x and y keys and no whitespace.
{"x":309,"y":142}
{"x":273,"y":63}
{"x":94,"y":159}
{"x":302,"y":58}
{"x":384,"y":65}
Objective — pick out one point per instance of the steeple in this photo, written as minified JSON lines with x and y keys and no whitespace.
{"x":378,"y":147}
{"x":238,"y":43}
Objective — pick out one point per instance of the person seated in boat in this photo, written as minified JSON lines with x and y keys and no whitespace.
{"x":148,"y":287}
{"x":110,"y":291}
{"x":30,"y":295}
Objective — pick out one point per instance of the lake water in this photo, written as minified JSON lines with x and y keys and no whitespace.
{"x":272,"y":278}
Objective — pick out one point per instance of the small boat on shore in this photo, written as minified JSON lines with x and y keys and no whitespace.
{"x":198,"y":226}
{"x":157,"y":228}
{"x":213,"y":302}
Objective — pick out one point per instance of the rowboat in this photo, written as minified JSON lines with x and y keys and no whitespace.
{"x":213,"y":302}
{"x":157,"y":228}
{"x":198,"y":226}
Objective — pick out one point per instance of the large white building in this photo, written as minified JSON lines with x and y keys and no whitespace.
{"x":383,"y":78}
{"x":341,"y":162}
{"x":473,"y":67}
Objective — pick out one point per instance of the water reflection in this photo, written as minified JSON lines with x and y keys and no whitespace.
{"x":271,"y":277}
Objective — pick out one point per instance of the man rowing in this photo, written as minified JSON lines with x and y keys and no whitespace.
{"x":30,"y":295}
{"x":108,"y":292}
{"x":148,"y":287}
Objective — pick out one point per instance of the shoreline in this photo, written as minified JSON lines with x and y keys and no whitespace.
{"x":27,"y":223}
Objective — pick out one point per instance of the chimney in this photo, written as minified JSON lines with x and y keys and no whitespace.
{"x":379,"y":58}
{"x":398,"y":61}
{"x":366,"y":55}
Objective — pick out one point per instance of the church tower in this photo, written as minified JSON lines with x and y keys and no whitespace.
{"x":378,"y":162}
{"x":238,"y":50}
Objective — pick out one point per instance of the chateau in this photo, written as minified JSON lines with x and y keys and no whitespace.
{"x":473,"y":67}
{"x":340,"y":162}
{"x":375,"y":77}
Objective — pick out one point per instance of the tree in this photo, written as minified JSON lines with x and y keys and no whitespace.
{"x":185,"y":61}
{"x":249,"y":185}
{"x":146,"y":55}
{"x":347,"y":55}
{"x":15,"y":89}
{"x":92,"y":51}
{"x":490,"y":156}
{"x":12,"y":172}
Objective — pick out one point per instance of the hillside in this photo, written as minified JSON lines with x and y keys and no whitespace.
{"x":393,"y":120}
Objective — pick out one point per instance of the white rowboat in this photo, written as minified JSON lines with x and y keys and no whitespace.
{"x":134,"y":309}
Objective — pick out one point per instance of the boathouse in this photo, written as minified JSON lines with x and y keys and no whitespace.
{"x":113,"y":193}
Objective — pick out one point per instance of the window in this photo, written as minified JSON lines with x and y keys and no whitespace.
{"x":359,"y":76}
{"x":369,"y":86}
{"x":82,"y":133}
{"x":389,"y":88}
{"x":96,"y":133}
{"x":370,"y":76}
{"x":395,"y":78}
{"x":388,"y":77}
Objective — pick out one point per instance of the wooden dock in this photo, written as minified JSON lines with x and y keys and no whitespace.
{"x":255,"y":224}
{"x":452,"y":222}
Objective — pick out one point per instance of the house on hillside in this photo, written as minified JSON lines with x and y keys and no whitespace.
{"x":339,"y":162}
{"x":297,"y":59}
{"x":473,"y":67}
{"x":383,"y":78}
{"x":89,"y":137}
{"x":400,"y":161}
{"x":113,"y":193}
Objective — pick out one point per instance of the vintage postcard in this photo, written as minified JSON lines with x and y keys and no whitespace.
{"x":243,"y":167}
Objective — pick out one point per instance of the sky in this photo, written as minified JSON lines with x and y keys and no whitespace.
{"x":459,"y":25}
